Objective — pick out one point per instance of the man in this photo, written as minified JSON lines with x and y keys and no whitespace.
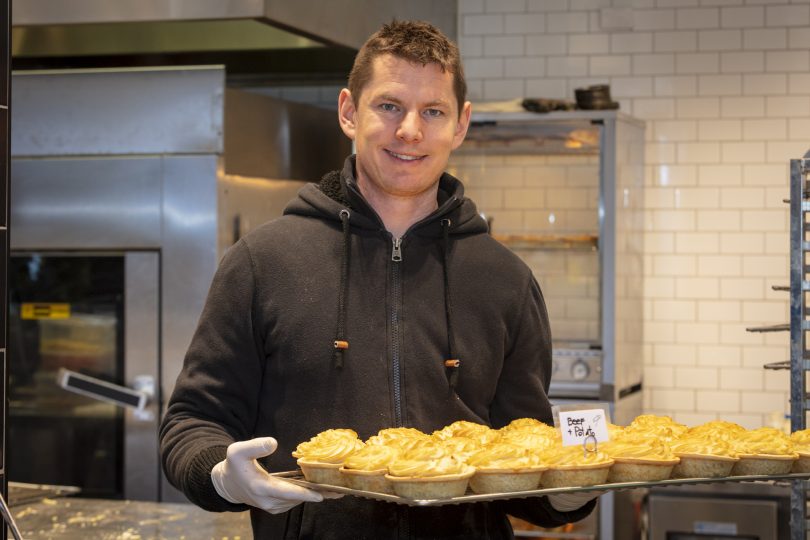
{"x":378,"y":300}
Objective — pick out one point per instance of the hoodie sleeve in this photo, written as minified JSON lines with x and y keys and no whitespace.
{"x":215,"y":398}
{"x":523,"y":392}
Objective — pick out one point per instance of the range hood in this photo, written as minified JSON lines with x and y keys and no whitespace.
{"x":312,"y":40}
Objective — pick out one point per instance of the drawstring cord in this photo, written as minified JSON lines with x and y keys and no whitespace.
{"x":452,"y":364}
{"x":341,"y":344}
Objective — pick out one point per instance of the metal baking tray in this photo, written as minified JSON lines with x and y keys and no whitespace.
{"x":296,"y":477}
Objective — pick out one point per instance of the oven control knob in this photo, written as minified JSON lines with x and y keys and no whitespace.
{"x":580,"y":370}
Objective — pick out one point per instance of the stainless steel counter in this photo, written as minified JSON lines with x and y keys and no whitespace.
{"x":97,"y":519}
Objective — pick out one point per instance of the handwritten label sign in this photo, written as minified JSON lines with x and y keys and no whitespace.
{"x":577,"y":426}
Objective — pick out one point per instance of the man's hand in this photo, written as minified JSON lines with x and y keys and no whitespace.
{"x":240,"y":479}
{"x":566,"y":502}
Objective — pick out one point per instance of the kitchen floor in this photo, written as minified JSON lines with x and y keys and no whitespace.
{"x":79,"y":519}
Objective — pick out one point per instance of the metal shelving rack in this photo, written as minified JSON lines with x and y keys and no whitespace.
{"x":799,"y":326}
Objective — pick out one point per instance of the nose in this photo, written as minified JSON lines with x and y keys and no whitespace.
{"x":410,"y":128}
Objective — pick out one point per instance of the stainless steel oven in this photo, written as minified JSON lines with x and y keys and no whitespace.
{"x":124,"y":197}
{"x":95,"y":313}
{"x":750,"y":511}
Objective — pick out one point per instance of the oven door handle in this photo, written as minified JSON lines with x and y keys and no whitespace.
{"x":134,"y":398}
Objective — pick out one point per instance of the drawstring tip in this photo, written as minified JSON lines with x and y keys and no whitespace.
{"x":341,"y":345}
{"x":453,"y":364}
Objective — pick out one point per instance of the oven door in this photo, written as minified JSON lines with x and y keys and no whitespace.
{"x":737,"y":510}
{"x":95,"y":313}
{"x":694,"y":518}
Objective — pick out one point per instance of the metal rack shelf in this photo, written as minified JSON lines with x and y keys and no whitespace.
{"x":773,"y":328}
{"x":587,"y":242}
{"x":778,"y":365}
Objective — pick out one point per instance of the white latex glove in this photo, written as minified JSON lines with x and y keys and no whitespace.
{"x":240,"y":479}
{"x":565,"y":502}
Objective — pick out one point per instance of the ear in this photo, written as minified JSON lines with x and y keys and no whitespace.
{"x":462,"y":125}
{"x":346,"y":113}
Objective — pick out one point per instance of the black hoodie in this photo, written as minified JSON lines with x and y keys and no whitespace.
{"x":262,"y":361}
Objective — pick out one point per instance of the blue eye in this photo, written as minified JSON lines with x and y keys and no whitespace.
{"x":434,"y":113}
{"x":388,"y":107}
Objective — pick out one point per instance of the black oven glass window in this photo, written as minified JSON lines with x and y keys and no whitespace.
{"x":65,"y":311}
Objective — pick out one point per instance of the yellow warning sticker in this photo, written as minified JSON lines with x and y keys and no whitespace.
{"x":44,"y":310}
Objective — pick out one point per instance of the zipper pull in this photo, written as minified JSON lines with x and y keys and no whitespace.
{"x":396,"y":252}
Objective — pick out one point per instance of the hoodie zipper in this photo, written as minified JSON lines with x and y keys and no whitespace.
{"x":396,"y":307}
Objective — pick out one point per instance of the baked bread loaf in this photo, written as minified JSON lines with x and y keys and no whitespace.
{"x":461,"y":448}
{"x":531,"y":434}
{"x":480,"y":433}
{"x":504,"y":467}
{"x":402,"y":438}
{"x":614,"y":431}
{"x":532,"y":425}
{"x":653,"y":426}
{"x":763,"y":451}
{"x":428,"y":471}
{"x":365,"y":469}
{"x":716,"y":429}
{"x":703,"y":457}
{"x":321,"y":457}
{"x":639,"y":459}
{"x":571,"y":466}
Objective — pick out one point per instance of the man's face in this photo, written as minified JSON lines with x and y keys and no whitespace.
{"x":404,"y":127}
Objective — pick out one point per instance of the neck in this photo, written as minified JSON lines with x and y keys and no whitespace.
{"x":398,"y":213}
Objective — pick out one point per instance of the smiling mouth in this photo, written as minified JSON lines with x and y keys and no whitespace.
{"x":405,"y":157}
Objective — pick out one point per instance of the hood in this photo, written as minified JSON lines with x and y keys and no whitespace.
{"x":337,"y":198}
{"x":338,"y":190}
{"x":344,"y":23}
{"x":262,"y":42}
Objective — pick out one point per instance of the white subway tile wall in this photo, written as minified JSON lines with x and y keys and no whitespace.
{"x":724,"y":88}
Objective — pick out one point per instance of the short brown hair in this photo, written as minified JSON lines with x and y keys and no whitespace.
{"x":416,"y":41}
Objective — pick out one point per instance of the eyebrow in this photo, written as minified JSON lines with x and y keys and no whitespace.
{"x":434,"y":103}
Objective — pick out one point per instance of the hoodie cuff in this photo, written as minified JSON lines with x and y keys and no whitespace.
{"x":198,"y":485}
{"x":539,"y":511}
{"x":572,"y":516}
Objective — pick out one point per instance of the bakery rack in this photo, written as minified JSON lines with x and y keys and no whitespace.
{"x":799,"y":325}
